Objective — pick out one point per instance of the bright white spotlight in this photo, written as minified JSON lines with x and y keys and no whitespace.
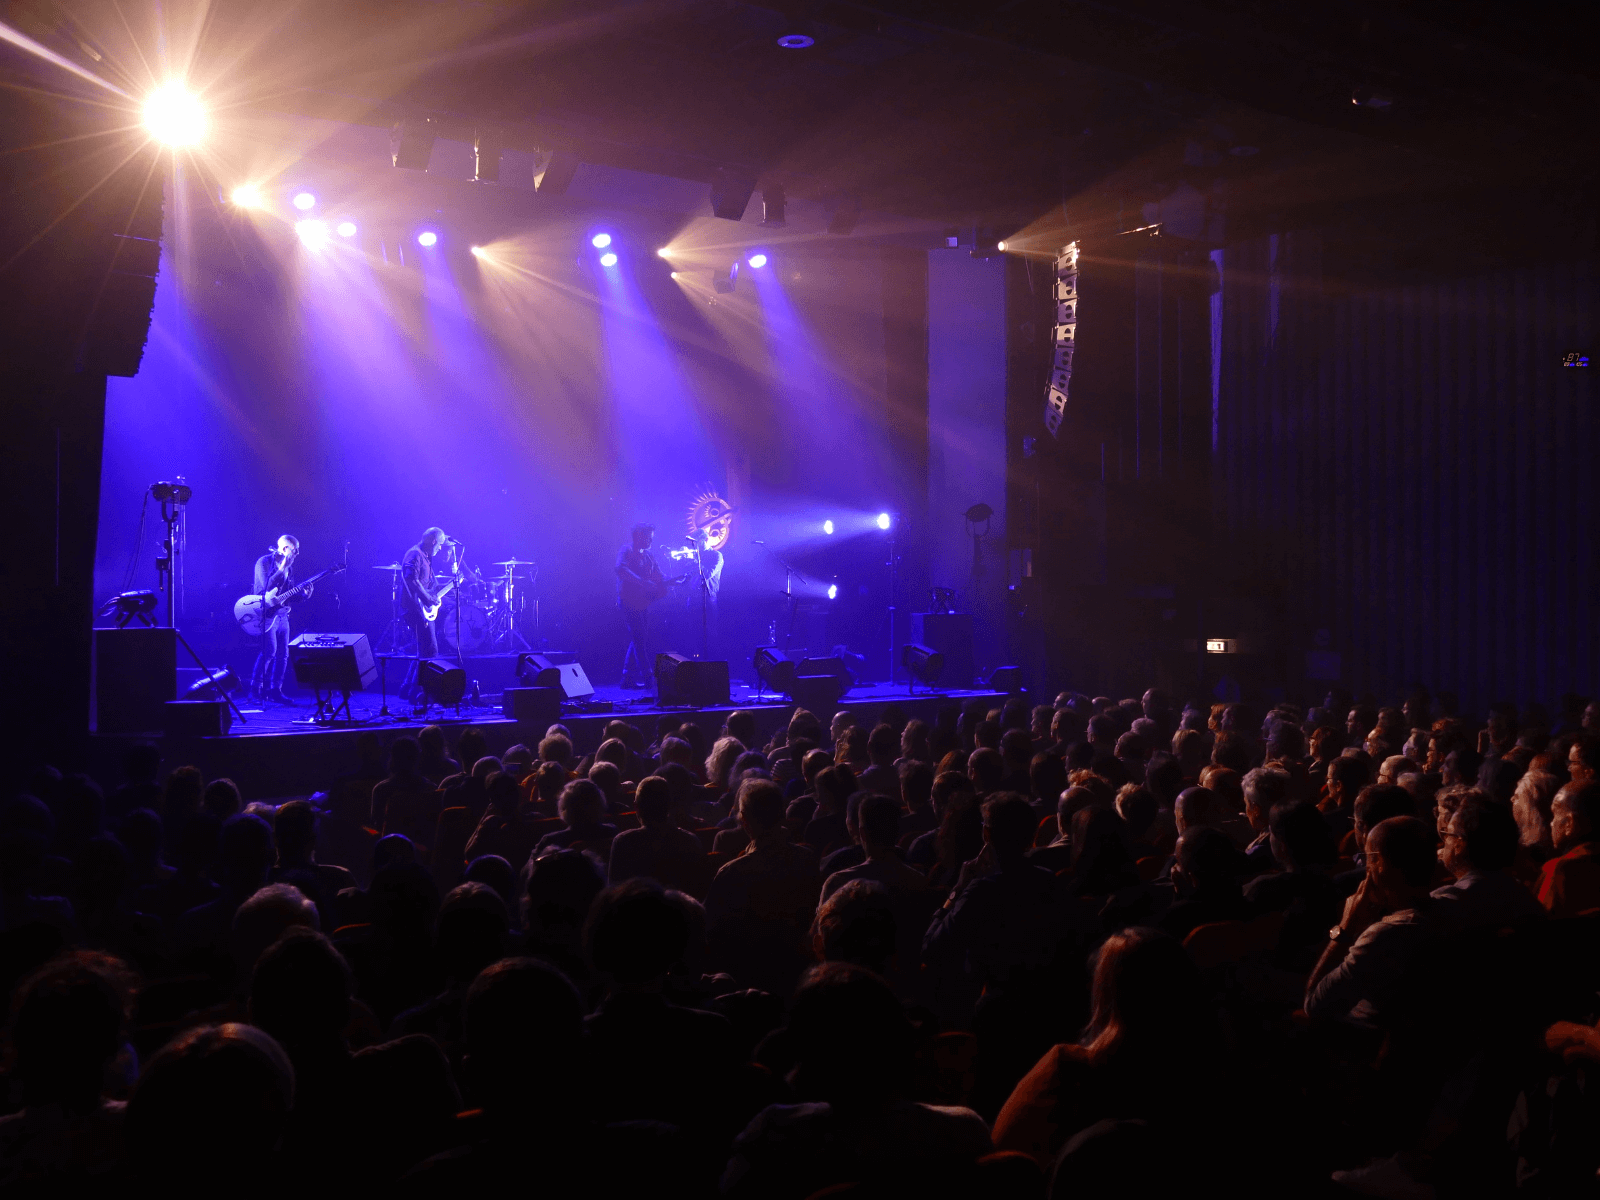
{"x":827,"y":527}
{"x":600,"y":241}
{"x":757,"y":260}
{"x":1000,"y":246}
{"x":833,"y":591}
{"x":305,"y":201}
{"x":427,"y":238}
{"x":883,"y":520}
{"x":663,"y":253}
{"x":346,"y":229}
{"x":608,"y":259}
{"x":246,"y":195}
{"x":477,"y":251}
{"x":173,"y":116}
{"x":314,"y":234}
{"x":674,"y":275}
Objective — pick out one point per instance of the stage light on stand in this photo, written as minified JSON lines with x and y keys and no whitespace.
{"x":600,"y":241}
{"x":246,"y":195}
{"x":883,"y":521}
{"x":1000,"y":245}
{"x":757,"y":261}
{"x":174,"y":117}
{"x":608,"y":259}
{"x":346,"y":229}
{"x":313,"y":234}
{"x":427,"y":238}
{"x":923,"y":663}
{"x":477,"y":251}
{"x":774,"y":669}
{"x":304,"y":201}
{"x":664,"y":252}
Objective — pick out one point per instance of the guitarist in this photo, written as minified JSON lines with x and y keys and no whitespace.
{"x":639,"y":581}
{"x":274,"y":571}
{"x":420,"y":590}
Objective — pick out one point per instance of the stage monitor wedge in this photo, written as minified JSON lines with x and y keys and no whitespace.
{"x":684,"y":680}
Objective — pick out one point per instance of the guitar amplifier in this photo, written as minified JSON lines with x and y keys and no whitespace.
{"x":340,"y":662}
{"x":538,"y":671}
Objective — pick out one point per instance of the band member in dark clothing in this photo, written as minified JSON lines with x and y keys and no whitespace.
{"x":639,"y":581}
{"x":420,"y":589}
{"x":274,"y":573}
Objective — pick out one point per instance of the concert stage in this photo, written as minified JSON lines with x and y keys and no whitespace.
{"x":279,"y":753}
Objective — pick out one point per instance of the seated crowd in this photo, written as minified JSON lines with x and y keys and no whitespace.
{"x":1090,"y":949}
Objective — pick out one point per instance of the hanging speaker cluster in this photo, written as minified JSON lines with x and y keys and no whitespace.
{"x":1063,"y":337}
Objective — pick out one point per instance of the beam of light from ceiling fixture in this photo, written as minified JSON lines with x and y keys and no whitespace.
{"x":427,"y":238}
{"x":346,"y":229}
{"x":664,"y":252}
{"x":608,"y":259}
{"x":247,"y":195}
{"x":757,"y":260}
{"x":883,"y":521}
{"x":600,"y":241}
{"x":313,"y":234}
{"x":174,"y":116}
{"x":23,"y":42}
{"x":305,"y":201}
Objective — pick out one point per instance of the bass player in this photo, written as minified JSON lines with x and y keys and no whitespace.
{"x":420,"y":594}
{"x":639,"y":583}
{"x":274,"y":572}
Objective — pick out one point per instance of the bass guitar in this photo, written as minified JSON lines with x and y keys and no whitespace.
{"x":255,"y":613}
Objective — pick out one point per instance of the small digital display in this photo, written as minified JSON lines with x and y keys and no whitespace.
{"x":1216,"y":646}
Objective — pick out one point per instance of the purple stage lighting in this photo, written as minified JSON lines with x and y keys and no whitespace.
{"x":757,"y":260}
{"x":608,"y":259}
{"x":883,"y":520}
{"x":427,"y":238}
{"x":347,"y":229}
{"x":305,"y":201}
{"x":833,"y":591}
{"x":600,"y":241}
{"x":827,"y":527}
{"x":313,"y":234}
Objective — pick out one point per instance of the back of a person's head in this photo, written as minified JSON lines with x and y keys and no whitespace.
{"x":1098,"y":846}
{"x":857,"y":925}
{"x":1380,"y":801}
{"x":211,"y":1106}
{"x":1406,"y":845}
{"x":471,"y":745}
{"x":244,"y":852}
{"x":140,"y":832}
{"x":294,"y":827}
{"x":66,"y":1027}
{"x":741,"y":725}
{"x":1016,"y":748}
{"x":1208,"y":857}
{"x":484,"y":766}
{"x":1349,"y":771}
{"x":851,"y":1036}
{"x":916,"y":783}
{"x":184,"y":787}
{"x":518,"y":1012}
{"x":986,"y":768}
{"x":1047,"y":777}
{"x":405,"y":900}
{"x":1011,"y":823}
{"x":561,"y":887}
{"x":761,"y":804}
{"x":556,"y":748}
{"x":267,"y":916}
{"x":1130,"y":745}
{"x":635,"y":932}
{"x":1137,"y":807}
{"x":392,"y":848}
{"x":883,"y":743}
{"x":582,"y":803}
{"x":1145,"y":993}
{"x":1265,"y":787}
{"x":503,"y":793}
{"x":1116,"y":1160}
{"x":300,"y":990}
{"x":221,"y":798}
{"x":471,"y":929}
{"x":1196,"y":806}
{"x":404,"y":755}
{"x":1303,"y":834}
{"x":430,"y":740}
{"x":548,"y":780}
{"x":653,"y":801}
{"x":878,"y":820}
{"x":1163,"y":775}
{"x":1489,"y":830}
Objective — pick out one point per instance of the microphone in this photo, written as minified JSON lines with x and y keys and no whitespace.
{"x":688,"y":540}
{"x":757,"y":542}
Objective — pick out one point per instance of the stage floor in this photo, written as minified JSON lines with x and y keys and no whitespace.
{"x":280,"y":752}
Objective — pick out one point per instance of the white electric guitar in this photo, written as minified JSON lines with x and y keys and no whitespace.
{"x":430,"y":612}
{"x":255,"y":613}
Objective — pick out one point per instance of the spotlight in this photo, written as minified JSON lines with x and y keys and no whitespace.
{"x":833,"y":591}
{"x":305,"y":201}
{"x":796,"y":41}
{"x":883,"y":521}
{"x":477,"y":251}
{"x":246,"y":195}
{"x":1000,"y":245}
{"x":923,"y":663}
{"x":346,"y":229}
{"x":600,"y":241}
{"x":773,"y":668}
{"x":131,"y":606}
{"x":985,"y":243}
{"x":173,"y":116}
{"x":773,"y":204}
{"x":827,"y":527}
{"x":730,"y":194}
{"x":674,"y":275}
{"x":725,"y":283}
{"x":663,"y":253}
{"x":427,"y":238}
{"x":757,"y":260}
{"x":608,"y":259}
{"x":314,"y":234}
{"x":213,"y":685}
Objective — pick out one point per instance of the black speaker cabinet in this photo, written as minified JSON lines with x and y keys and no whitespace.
{"x":197,"y":718}
{"x":340,"y":662}
{"x":441,"y":680}
{"x":951,"y":635}
{"x":536,"y":706}
{"x":135,"y":673}
{"x":684,"y":680}
{"x":536,"y":670}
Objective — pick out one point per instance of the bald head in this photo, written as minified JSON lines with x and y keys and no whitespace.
{"x":1195,"y":806}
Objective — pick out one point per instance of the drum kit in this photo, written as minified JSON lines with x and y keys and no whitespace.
{"x":488,"y":610}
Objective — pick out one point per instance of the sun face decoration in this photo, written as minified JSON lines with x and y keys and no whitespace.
{"x":711,"y":514}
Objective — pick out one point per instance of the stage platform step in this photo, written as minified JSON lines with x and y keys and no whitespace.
{"x":278,"y":751}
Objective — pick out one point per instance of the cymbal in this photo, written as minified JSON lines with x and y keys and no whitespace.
{"x":517,"y":562}
{"x":388,"y":567}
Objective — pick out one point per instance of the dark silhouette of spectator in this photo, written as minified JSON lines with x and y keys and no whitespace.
{"x":141,"y":765}
{"x":1569,"y":883}
{"x":1101,"y":860}
{"x":583,"y":807}
{"x":294,"y":828}
{"x":498,"y":874}
{"x":469,"y":789}
{"x":404,"y":782}
{"x":851,"y":1045}
{"x":262,"y":920}
{"x":1478,"y":848}
{"x":924,"y":849}
{"x":826,"y":831}
{"x":105,"y":919}
{"x":140,"y":834}
{"x":1302,"y":887}
{"x":180,"y":800}
{"x":221,"y":799}
{"x":916,"y":799}
{"x":1206,"y":878}
{"x":658,"y":849}
{"x":856,"y":924}
{"x":504,"y":830}
{"x":244,"y":856}
{"x":433,"y":759}
{"x":189,"y":885}
{"x":560,"y":888}
{"x":470,"y":935}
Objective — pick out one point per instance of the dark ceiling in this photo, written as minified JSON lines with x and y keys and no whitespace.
{"x":963,"y":112}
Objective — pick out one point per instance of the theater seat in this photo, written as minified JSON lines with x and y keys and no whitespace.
{"x":1232,"y":941}
{"x":1150,"y":866}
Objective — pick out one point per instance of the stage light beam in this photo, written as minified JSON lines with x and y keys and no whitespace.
{"x":246,"y":195}
{"x":758,"y":260}
{"x":600,"y":241}
{"x":664,"y":252}
{"x":833,"y":591}
{"x":174,"y":116}
{"x":427,"y":238}
{"x":827,"y":527}
{"x":313,"y":234}
{"x":346,"y":229}
{"x":305,"y":201}
{"x":883,"y":521}
{"x":608,"y":259}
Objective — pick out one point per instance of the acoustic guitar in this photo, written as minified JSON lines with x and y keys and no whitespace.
{"x":255,"y":613}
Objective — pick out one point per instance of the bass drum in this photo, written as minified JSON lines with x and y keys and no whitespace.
{"x":474,"y":626}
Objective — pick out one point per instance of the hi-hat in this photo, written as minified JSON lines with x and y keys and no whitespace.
{"x":516,"y":562}
{"x":389,"y":567}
